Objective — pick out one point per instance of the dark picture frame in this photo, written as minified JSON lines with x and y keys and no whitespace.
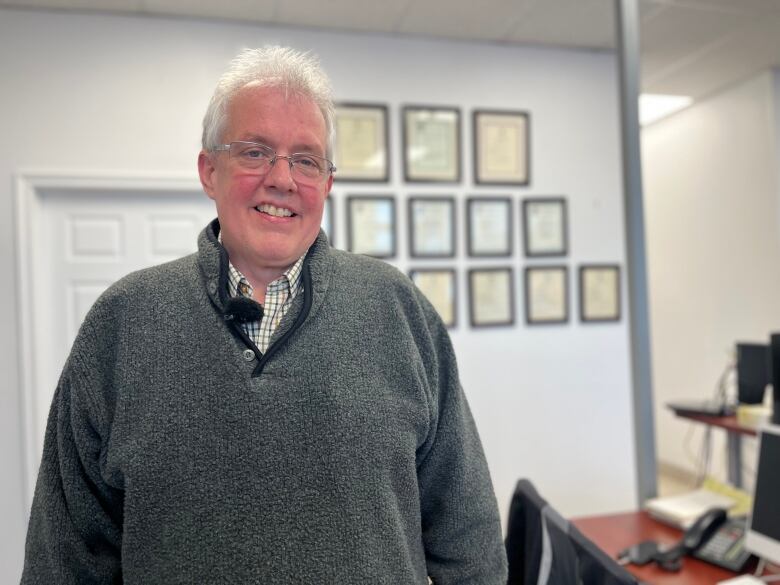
{"x":371,"y":225}
{"x":328,"y":221}
{"x":431,"y":144}
{"x":362,"y":144}
{"x":432,"y":227}
{"x":489,"y":229}
{"x":545,"y":227}
{"x":546,"y":295}
{"x":599,"y":293}
{"x":489,"y":305}
{"x":502,"y":147}
{"x":430,"y":283}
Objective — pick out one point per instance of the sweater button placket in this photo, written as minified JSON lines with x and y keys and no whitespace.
{"x":249,"y":355}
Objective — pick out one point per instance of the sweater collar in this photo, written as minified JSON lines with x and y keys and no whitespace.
{"x":213,"y":264}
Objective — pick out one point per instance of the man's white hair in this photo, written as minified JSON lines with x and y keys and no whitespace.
{"x":293,"y":71}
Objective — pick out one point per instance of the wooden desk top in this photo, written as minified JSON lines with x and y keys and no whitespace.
{"x":725,"y":422}
{"x":618,"y":531}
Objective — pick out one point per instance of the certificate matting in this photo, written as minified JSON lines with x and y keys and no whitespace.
{"x":600,"y":292}
{"x":544,"y":222}
{"x":491,"y":297}
{"x":501,"y":147}
{"x":432,"y":227}
{"x":371,"y":226}
{"x":431,"y":137}
{"x":489,"y":226}
{"x":546,"y":295}
{"x":438,"y":286}
{"x":361,"y":144}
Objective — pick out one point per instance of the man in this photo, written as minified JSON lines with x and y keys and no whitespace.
{"x":268,"y":410}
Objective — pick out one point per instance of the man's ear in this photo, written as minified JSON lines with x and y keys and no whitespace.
{"x":206,"y":171}
{"x":328,"y":185}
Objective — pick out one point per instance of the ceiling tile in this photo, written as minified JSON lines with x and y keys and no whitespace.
{"x":464,"y":20}
{"x":648,"y":8}
{"x":363,"y":15}
{"x":741,"y":6}
{"x":672,"y":37}
{"x":97,"y":5}
{"x":739,"y":56}
{"x":571,"y":23}
{"x":252,"y":10}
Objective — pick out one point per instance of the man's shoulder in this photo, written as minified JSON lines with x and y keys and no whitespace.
{"x":368,"y":270}
{"x":370,"y":281}
{"x":154,"y":283}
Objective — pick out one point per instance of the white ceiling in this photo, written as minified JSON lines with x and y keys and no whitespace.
{"x":688,"y":47}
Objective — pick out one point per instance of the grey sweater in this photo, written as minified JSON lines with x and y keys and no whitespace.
{"x":347,"y":454}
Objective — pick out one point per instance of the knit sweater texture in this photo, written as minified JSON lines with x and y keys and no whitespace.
{"x":347,"y":454}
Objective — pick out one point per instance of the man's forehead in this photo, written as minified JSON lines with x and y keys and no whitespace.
{"x":249,"y":105}
{"x":254,"y":94}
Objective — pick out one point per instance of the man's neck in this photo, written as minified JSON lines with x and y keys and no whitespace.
{"x":258,"y":277}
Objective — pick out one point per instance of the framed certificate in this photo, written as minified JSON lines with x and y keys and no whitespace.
{"x":501,"y":147}
{"x":600,"y":292}
{"x":361,"y":150}
{"x":371,"y":226}
{"x":431,"y":138}
{"x":546,"y":294}
{"x":544,"y":223}
{"x":491,"y":297}
{"x":432,"y":227}
{"x":327,"y":218}
{"x":489,"y":226}
{"x":439,"y":287}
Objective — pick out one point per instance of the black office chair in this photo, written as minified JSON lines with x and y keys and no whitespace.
{"x":543,"y":548}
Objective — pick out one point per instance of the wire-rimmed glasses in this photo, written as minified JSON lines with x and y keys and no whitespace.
{"x":304,"y":167}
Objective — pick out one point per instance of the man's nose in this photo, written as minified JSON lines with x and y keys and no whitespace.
{"x":279,"y":176}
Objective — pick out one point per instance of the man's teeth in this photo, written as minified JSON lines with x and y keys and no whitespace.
{"x":275,"y":211}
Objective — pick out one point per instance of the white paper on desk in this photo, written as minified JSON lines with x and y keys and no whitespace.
{"x":682,"y":510}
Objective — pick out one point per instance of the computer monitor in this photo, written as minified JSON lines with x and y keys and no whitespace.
{"x":763,"y":530}
{"x":774,"y":348}
{"x":754,"y":372}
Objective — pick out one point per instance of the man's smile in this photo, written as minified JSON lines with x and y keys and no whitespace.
{"x":274,"y":211}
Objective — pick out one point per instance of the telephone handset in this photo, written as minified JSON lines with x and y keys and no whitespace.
{"x":703,"y":529}
{"x":695,"y":536}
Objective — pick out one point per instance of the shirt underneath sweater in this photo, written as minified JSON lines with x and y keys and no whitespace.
{"x":346,"y":453}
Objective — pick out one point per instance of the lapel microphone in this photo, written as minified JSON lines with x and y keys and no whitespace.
{"x":243,"y":310}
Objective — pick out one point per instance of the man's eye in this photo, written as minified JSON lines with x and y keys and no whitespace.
{"x":308,"y":162}
{"x":254,"y":153}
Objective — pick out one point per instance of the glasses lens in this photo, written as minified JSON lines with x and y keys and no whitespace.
{"x":251,"y":155}
{"x":309,"y":165}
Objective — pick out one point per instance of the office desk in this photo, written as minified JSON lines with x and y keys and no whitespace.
{"x":734,"y":440}
{"x":615,"y":532}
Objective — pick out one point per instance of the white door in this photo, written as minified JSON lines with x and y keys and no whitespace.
{"x":82,"y":241}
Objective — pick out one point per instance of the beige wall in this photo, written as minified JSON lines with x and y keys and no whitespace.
{"x":713,"y":242}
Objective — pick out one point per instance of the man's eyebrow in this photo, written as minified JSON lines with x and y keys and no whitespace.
{"x":254,"y":138}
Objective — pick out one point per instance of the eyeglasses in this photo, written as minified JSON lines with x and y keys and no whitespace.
{"x":304,"y":168}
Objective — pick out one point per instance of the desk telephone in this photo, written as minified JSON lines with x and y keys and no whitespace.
{"x":713,"y":538}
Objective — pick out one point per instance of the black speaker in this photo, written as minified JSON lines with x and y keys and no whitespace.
{"x":754,"y":372}
{"x":775,"y":349}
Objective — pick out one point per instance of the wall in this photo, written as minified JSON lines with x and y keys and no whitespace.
{"x":87,"y":93}
{"x":711,"y":194}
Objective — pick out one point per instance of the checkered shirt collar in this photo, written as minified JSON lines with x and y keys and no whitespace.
{"x":238,"y":285}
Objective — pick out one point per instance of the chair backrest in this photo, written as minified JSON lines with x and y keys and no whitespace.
{"x":543,"y":548}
